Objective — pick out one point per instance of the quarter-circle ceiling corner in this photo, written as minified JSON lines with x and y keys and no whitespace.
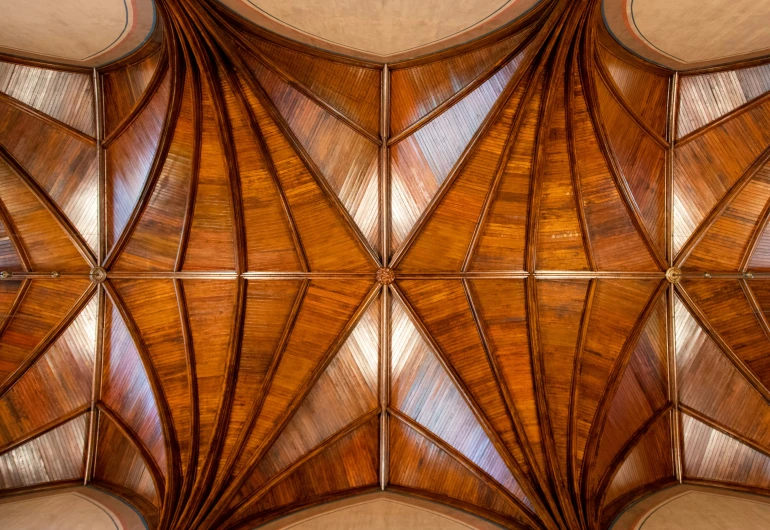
{"x":82,"y":32}
{"x":690,"y":34}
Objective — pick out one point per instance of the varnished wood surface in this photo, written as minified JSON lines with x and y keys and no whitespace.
{"x":445,"y":277}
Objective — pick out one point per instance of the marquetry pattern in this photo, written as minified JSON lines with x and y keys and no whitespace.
{"x":527,"y":277}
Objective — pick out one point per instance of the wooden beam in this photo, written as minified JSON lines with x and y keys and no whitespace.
{"x":384,"y":384}
{"x":673,"y":385}
{"x":51,"y":425}
{"x":385,"y":178}
{"x":756,"y":234}
{"x":96,"y":386}
{"x":671,"y":124}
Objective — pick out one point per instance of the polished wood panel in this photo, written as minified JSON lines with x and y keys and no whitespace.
{"x":124,"y":376}
{"x":422,"y":390}
{"x":348,"y":464}
{"x":453,"y":221}
{"x":421,"y":163}
{"x":706,"y":98}
{"x":54,"y":456}
{"x":43,"y":312}
{"x":123,"y":89}
{"x":346,"y":159}
{"x":69,"y":179}
{"x":129,"y":158}
{"x":118,"y":462}
{"x":67,"y":97}
{"x":712,"y":455}
{"x":352,"y":90}
{"x":41,"y":242}
{"x":646,"y":462}
{"x":418,"y":463}
{"x":709,"y":166}
{"x":644,"y":91}
{"x":418,"y":90}
{"x":730,"y":400}
{"x":57,"y":383}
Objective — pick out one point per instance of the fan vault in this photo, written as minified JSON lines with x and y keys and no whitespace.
{"x":526,"y":277}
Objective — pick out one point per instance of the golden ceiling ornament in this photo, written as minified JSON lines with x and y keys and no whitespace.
{"x":674,"y":275}
{"x":385,"y":276}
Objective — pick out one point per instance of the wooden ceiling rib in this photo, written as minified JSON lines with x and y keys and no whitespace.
{"x":526,"y":277}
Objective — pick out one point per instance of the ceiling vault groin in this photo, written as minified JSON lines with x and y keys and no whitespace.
{"x":527,"y":277}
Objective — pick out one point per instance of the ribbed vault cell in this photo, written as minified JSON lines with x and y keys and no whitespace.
{"x":527,"y":278}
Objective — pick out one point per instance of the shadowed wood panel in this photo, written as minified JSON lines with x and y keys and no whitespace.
{"x":443,"y":308}
{"x":346,"y":159}
{"x":422,"y":390}
{"x":641,"y":160}
{"x":9,"y":256}
{"x":64,"y":96}
{"x":559,"y":242}
{"x":268,"y":310}
{"x":69,"y":176}
{"x":502,"y":241}
{"x":421,"y":162}
{"x":123,"y":88}
{"x":760,"y":257}
{"x":645,"y":92}
{"x":708,"y":166}
{"x":729,"y":312}
{"x":346,"y":391}
{"x":43,"y":239}
{"x":154,"y":243}
{"x":129,"y":158}
{"x":642,"y":390}
{"x":326,"y":309}
{"x":560,"y":307}
{"x":327,"y":240}
{"x":617,"y":305}
{"x":705,"y":98}
{"x":713,"y":455}
{"x":417,"y":90}
{"x":418,"y":463}
{"x":126,"y":388}
{"x":118,"y":462}
{"x":212,"y":236}
{"x":352,"y":90}
{"x":615,"y":242}
{"x":452,"y":224}
{"x":55,"y":455}
{"x":10,"y":296}
{"x":349,"y":463}
{"x":211,"y":308}
{"x":710,"y":384}
{"x":502,"y":313}
{"x":269,"y":239}
{"x":648,"y":461}
{"x":42,"y":309}
{"x":154,"y":307}
{"x":727,"y":241}
{"x":58,"y":383}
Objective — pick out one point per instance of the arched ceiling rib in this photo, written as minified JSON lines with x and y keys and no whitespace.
{"x":526,"y":279}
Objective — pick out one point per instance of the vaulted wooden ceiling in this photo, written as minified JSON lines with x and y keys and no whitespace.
{"x":528,"y":277}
